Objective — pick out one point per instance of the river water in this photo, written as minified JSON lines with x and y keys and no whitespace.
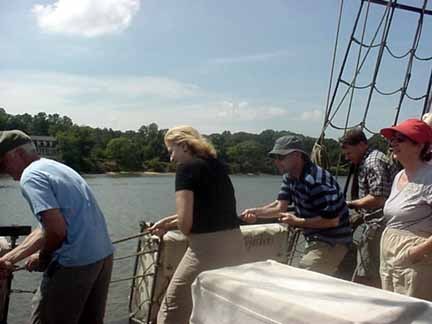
{"x":125,"y":201}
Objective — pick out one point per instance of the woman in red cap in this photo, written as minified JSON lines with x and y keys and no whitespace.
{"x":406,"y":244}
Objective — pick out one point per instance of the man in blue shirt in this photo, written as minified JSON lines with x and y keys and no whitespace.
{"x":319,"y":204}
{"x":72,"y":245}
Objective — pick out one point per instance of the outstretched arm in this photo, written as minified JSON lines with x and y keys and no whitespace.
{"x":268,"y":211}
{"x":368,"y":202}
{"x":313,"y":222}
{"x":164,"y":225}
{"x":31,"y":244}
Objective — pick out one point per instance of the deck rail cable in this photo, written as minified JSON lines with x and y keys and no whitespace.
{"x":147,"y":288}
{"x":144,"y":276}
{"x":147,"y":245}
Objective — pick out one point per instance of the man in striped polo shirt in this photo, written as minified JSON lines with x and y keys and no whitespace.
{"x":319,"y":204}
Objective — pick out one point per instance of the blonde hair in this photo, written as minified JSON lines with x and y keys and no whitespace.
{"x":192,"y":138}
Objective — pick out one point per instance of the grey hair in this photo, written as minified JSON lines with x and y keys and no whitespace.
{"x":28,"y":148}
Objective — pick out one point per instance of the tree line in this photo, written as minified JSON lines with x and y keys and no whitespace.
{"x":97,"y":150}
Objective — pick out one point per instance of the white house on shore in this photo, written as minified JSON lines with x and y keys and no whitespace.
{"x":46,"y":146}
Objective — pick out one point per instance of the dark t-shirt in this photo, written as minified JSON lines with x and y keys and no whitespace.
{"x":214,"y":206}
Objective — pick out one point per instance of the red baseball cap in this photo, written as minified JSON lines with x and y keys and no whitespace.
{"x":415,"y":129}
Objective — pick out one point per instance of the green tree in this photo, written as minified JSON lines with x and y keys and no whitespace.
{"x":57,"y":124}
{"x":249,"y":155}
{"x":378,"y":142}
{"x":40,"y":124}
{"x":70,"y":148}
{"x":3,"y":119}
{"x":125,"y":153}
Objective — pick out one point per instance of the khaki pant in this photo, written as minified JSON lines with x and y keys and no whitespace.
{"x":205,"y":252}
{"x":398,"y":274}
{"x":322,"y":257}
{"x":73,"y":295}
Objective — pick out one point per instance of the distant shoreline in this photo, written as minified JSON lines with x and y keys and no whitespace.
{"x":129,"y":174}
{"x":152,"y":173}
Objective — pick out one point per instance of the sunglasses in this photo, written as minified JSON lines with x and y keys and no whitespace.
{"x":278,"y":157}
{"x":399,"y":138}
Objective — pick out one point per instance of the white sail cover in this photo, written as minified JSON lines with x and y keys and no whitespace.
{"x":271,"y":292}
{"x":262,"y":241}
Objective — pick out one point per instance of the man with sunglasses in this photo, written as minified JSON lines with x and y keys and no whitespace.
{"x":373,"y":177}
{"x":319,"y":205}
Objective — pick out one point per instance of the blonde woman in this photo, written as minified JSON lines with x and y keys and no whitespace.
{"x":406,"y":244}
{"x":205,"y":213}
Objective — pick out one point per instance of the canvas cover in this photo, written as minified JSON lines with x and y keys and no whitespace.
{"x":270,"y":292}
{"x":262,"y":241}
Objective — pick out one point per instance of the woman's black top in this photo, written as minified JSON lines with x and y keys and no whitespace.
{"x":214,"y":207}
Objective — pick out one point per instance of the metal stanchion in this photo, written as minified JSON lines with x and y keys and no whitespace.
{"x":13,"y":232}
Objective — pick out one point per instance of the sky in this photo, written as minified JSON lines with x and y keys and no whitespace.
{"x":221,"y":65}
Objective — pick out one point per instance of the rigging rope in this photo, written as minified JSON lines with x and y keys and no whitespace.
{"x":415,"y":98}
{"x":344,"y":63}
{"x":428,"y":101}
{"x":387,"y":93}
{"x":357,"y":68}
{"x":353,"y":86}
{"x":422,"y":58}
{"x":370,"y":131}
{"x":334,"y":55}
{"x":355,"y":40}
{"x":319,"y":151}
{"x":397,"y":56}
{"x":388,"y":21}
{"x":343,"y":127}
{"x":414,"y":47}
